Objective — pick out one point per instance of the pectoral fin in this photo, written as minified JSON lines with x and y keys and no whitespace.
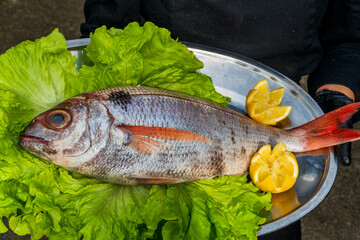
{"x":149,"y":140}
{"x":146,"y":145}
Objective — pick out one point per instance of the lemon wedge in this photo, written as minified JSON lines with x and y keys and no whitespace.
{"x":263,"y":105}
{"x":274,"y":171}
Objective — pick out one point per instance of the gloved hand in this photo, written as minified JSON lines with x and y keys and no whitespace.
{"x":330,"y":100}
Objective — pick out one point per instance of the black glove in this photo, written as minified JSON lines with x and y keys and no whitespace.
{"x":331,"y":100}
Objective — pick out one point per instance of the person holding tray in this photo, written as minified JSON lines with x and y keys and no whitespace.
{"x":319,"y":39}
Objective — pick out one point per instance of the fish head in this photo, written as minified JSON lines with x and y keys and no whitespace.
{"x":62,"y":135}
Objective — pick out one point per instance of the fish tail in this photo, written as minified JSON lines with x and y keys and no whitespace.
{"x":328,"y":130}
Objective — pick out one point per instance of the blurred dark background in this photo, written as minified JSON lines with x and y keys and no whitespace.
{"x":31,"y":19}
{"x":337,"y":217}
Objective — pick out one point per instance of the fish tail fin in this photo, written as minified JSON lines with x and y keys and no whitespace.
{"x":328,"y":130}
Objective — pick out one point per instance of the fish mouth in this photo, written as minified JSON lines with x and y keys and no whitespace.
{"x":28,"y":138}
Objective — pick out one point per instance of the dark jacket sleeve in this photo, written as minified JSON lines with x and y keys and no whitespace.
{"x":340,"y":36}
{"x":112,"y":13}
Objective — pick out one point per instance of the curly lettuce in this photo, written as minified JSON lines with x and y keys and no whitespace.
{"x":40,"y":198}
{"x":144,"y":55}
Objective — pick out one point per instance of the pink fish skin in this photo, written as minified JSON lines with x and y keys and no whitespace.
{"x":145,"y":135}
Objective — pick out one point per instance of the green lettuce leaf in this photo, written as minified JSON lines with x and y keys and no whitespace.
{"x":33,"y":76}
{"x":144,"y":55}
{"x":40,"y":198}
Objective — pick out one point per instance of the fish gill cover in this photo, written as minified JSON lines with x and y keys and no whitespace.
{"x":39,"y":198}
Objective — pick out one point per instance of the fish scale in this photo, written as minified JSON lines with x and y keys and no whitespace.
{"x":146,"y":135}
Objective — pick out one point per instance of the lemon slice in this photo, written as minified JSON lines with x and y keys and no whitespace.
{"x":263,"y":105}
{"x":274,"y":170}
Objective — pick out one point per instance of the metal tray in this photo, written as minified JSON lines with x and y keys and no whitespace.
{"x":234,"y":76}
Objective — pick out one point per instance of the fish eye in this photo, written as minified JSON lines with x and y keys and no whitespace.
{"x":58,"y":119}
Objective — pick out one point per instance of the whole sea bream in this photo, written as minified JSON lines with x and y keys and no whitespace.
{"x":146,"y":135}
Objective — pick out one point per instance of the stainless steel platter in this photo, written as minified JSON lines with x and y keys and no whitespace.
{"x":234,"y":76}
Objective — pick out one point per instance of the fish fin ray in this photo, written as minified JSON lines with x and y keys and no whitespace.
{"x":165,"y":133}
{"x":150,"y":140}
{"x":147,"y":145}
